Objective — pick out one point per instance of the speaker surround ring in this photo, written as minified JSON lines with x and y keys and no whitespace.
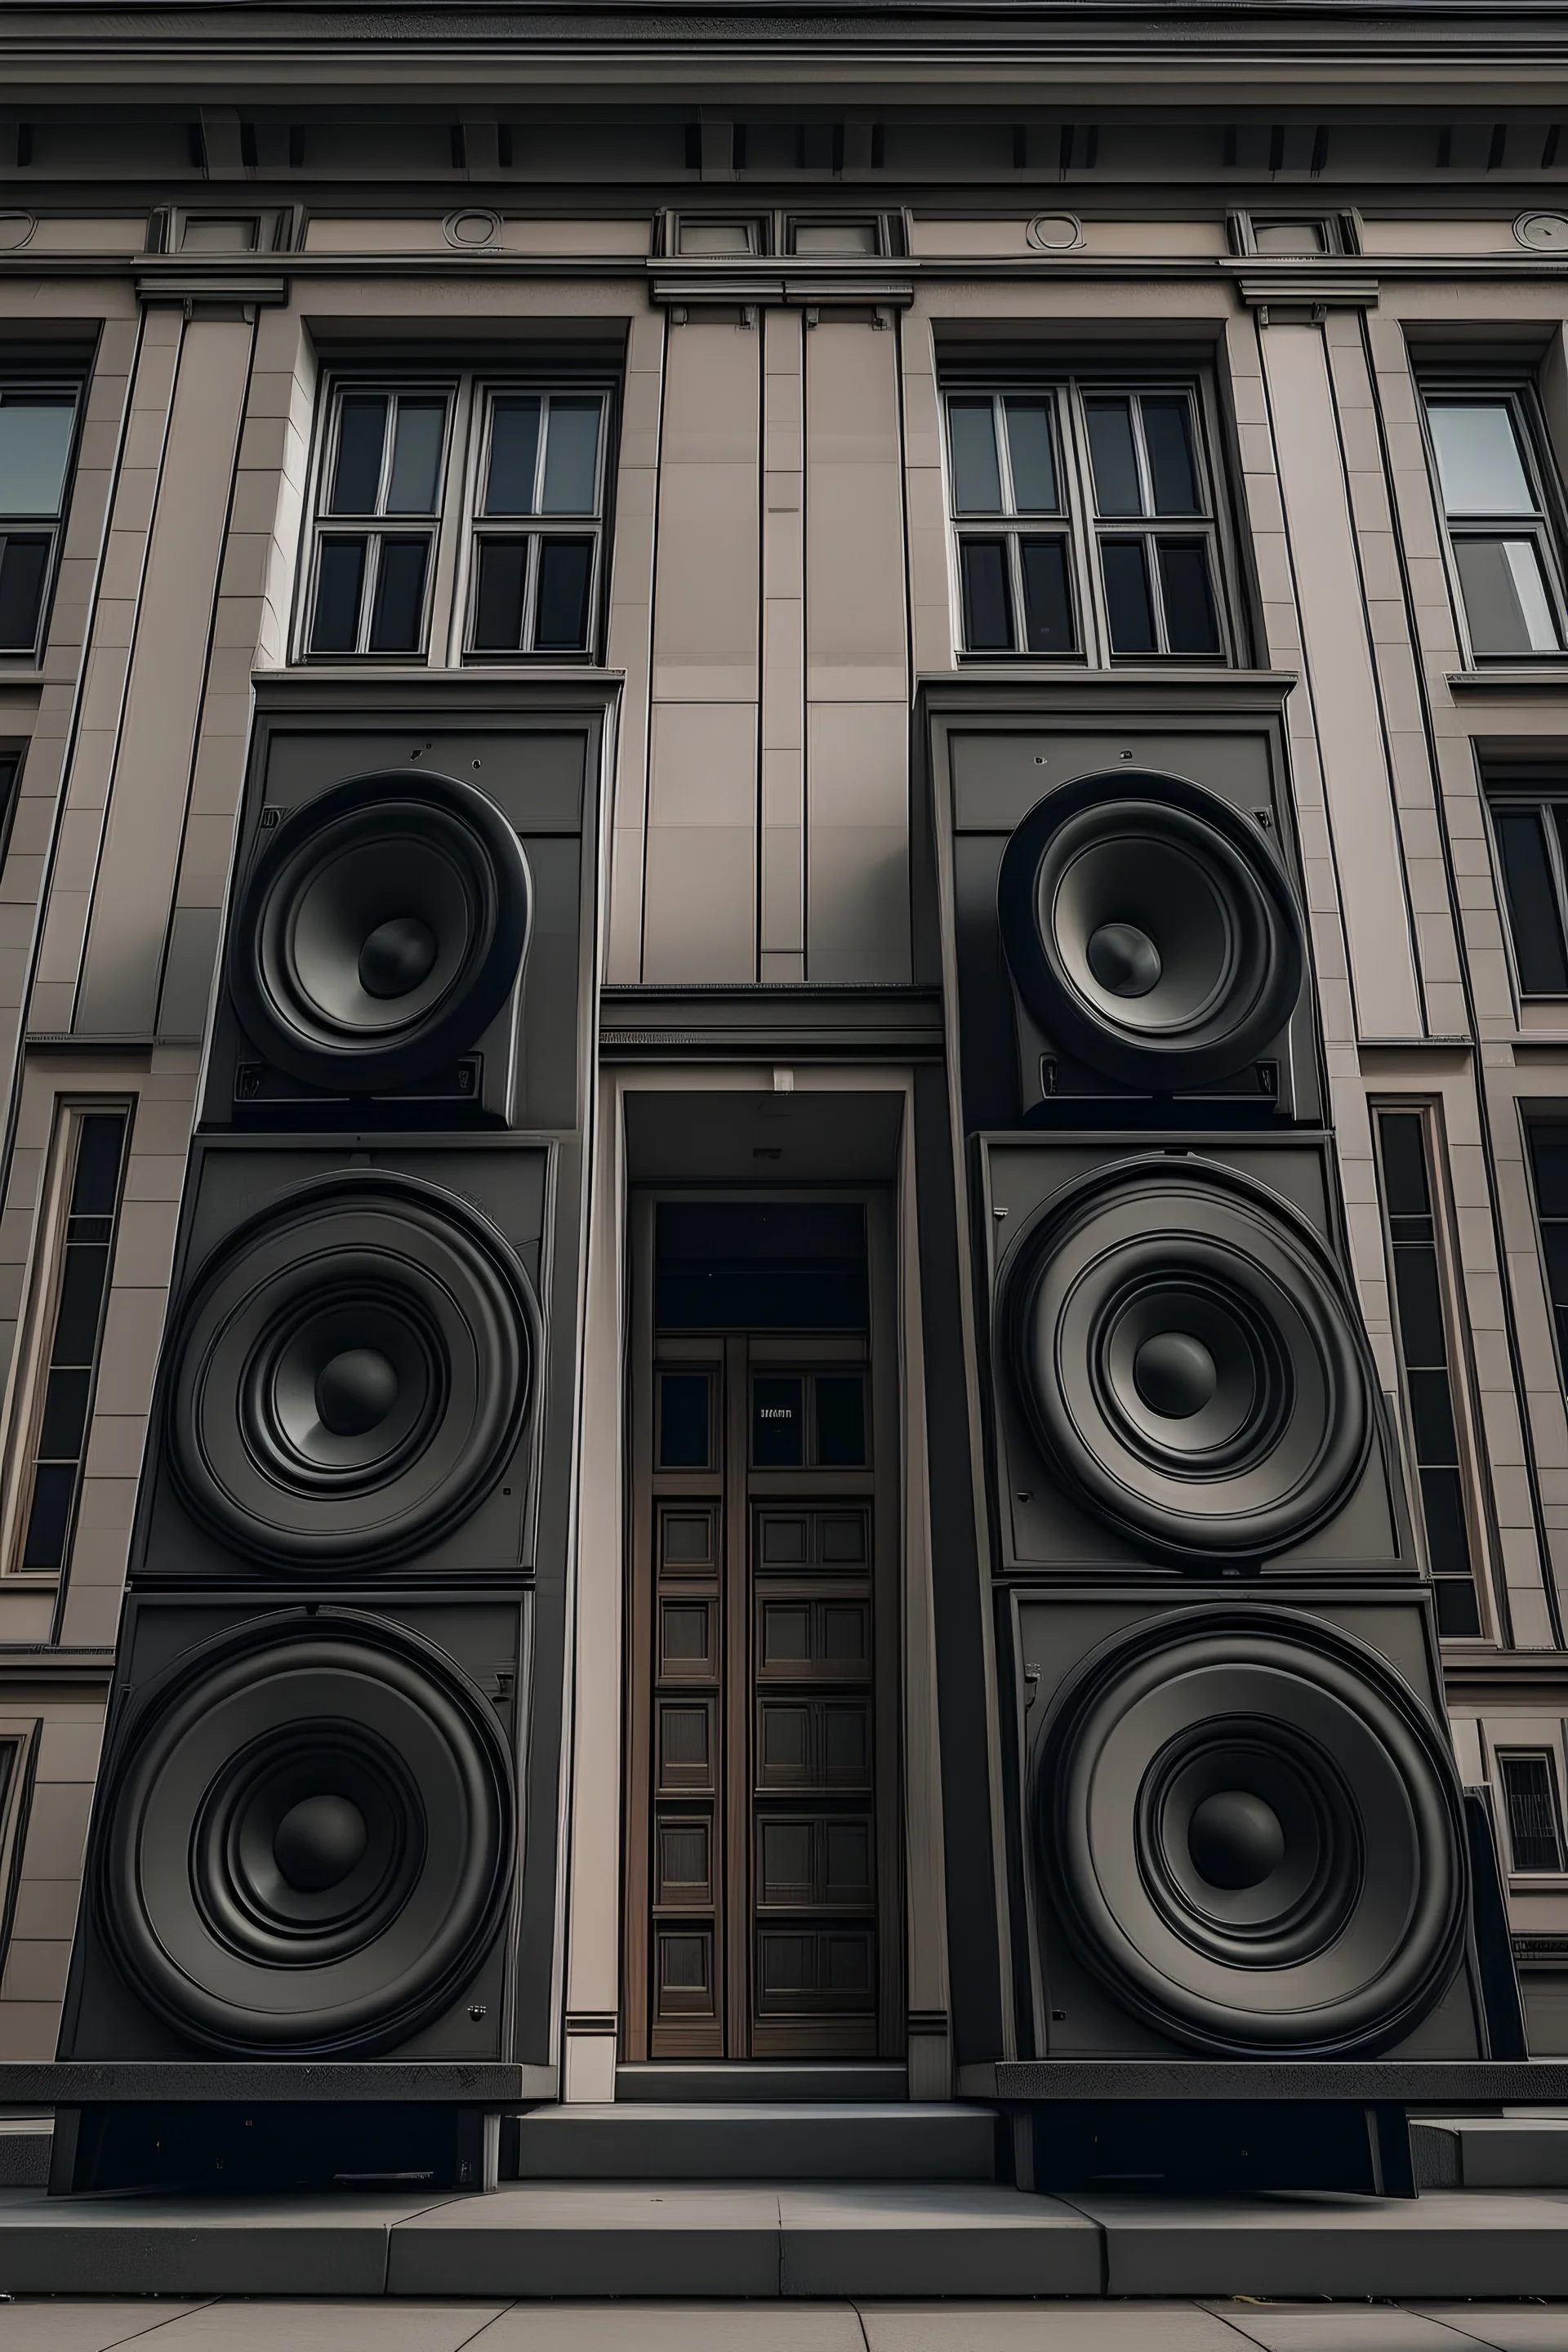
{"x":1183,"y":1351}
{"x":1334,"y":1916}
{"x":319,"y":1718}
{"x":348,"y":1373}
{"x":380,"y":930}
{"x":1149,"y":930}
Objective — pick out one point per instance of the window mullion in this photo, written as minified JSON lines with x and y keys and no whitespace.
{"x":1083,"y":529}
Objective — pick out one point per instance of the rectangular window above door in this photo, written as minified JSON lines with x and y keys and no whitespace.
{"x":1500,"y":501}
{"x":1085,"y":523}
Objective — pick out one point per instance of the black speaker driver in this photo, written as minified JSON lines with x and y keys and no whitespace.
{"x":1149,"y":930}
{"x":1184,"y":1352}
{"x":379,"y":931}
{"x":350,"y":1372}
{"x":310,"y":1844}
{"x":1252,"y":1831}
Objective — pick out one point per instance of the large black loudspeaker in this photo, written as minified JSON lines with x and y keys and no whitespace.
{"x":326,"y":1823}
{"x":1235,"y":1826}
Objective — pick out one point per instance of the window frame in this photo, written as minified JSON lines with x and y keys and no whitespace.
{"x":52,"y":384}
{"x":1514,"y":790}
{"x":1473,"y":1487}
{"x":535,"y":528}
{"x":1068,"y":390}
{"x":1546,"y":527}
{"x":456,"y":524}
{"x":35,"y":1338}
{"x":1522,"y":1750}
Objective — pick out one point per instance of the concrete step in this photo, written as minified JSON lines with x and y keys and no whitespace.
{"x":1523,"y":2151}
{"x":649,"y":2139}
{"x":709,"y":2084}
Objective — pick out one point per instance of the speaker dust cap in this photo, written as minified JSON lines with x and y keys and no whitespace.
{"x":380,"y":930}
{"x":1188,"y":1362}
{"x":1149,"y":930}
{"x":349,"y":1373}
{"x":310,"y":1844}
{"x":1250,"y":1828}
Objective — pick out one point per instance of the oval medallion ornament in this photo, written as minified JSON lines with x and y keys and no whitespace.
{"x":1252,"y":1831}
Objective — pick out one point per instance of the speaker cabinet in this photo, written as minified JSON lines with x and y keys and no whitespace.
{"x":354,"y":1365}
{"x":306,"y":1832}
{"x":404,"y":935}
{"x":1179,"y":1374}
{"x":1241,"y":1833}
{"x":1126,"y":911}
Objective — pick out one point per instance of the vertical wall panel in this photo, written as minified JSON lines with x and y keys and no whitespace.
{"x":699,"y":917}
{"x":630,"y":647}
{"x":783,"y":956}
{"x":134,"y":893}
{"x":858,"y":924}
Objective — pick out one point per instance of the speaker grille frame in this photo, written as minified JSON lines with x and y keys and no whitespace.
{"x":1249,"y":888}
{"x":457,"y":1897}
{"x":295,"y":1030}
{"x":1107,"y":1901}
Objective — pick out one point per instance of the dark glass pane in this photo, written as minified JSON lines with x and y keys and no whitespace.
{"x":1530,"y":1798}
{"x":840,"y":1420}
{"x":1127,"y":596}
{"x":398,"y":624}
{"x":565,"y":568}
{"x":1458,"y":1611}
{"x":48,"y":1520}
{"x":571,"y":457}
{"x":361,"y":434}
{"x":337,"y":584}
{"x":95,"y":1182}
{"x":1548,"y":1150}
{"x":1421,"y":1333}
{"x":683,"y":1420}
{"x":23,"y":565}
{"x":497,"y":607}
{"x":778,"y":1423}
{"x":1191,"y":625}
{"x":514,"y":452}
{"x":785,"y":1266}
{"x":1116,"y":486}
{"x":1432,"y":1412}
{"x":417,"y":456}
{"x":65,"y":1416}
{"x":977,"y":473}
{"x":1443,"y":1508}
{"x":1403,"y":1163}
{"x":987,"y":615}
{"x":1048,"y":597}
{"x":1506,"y":599}
{"x":1533,"y":919}
{"x":81,"y":1302}
{"x":1033,"y":456}
{"x":1168,"y":438}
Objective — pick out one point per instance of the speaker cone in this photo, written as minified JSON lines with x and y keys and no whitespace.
{"x":349,"y":1373}
{"x":1149,"y":930}
{"x":1250,"y":1828}
{"x":309,"y":1845}
{"x":1188,"y":1360}
{"x":379,"y":931}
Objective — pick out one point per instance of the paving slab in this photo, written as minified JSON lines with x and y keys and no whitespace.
{"x":596,"y":2238}
{"x":377,"y":2325}
{"x":1317,"y":2243}
{"x":953,"y":2238}
{"x":85,"y":2326}
{"x":1357,"y":2327}
{"x":199,"y":2246}
{"x":1505,"y":2328}
{"x":1045,"y":2327}
{"x":674,"y":2327}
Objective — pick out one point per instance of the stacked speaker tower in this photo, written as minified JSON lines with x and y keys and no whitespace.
{"x":1236,"y":1831}
{"x":326,"y":1820}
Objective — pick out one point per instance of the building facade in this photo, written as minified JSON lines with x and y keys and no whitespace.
{"x":753,"y":462}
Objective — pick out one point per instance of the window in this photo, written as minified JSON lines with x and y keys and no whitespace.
{"x":1529,"y":1801}
{"x":1493,"y":493}
{"x":1422,"y":1334}
{"x":1530,"y":824}
{"x":395,"y":555}
{"x":38,"y":429}
{"x":1085,"y":523}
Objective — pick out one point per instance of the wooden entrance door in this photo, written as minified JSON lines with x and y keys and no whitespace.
{"x":764,"y":1883}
